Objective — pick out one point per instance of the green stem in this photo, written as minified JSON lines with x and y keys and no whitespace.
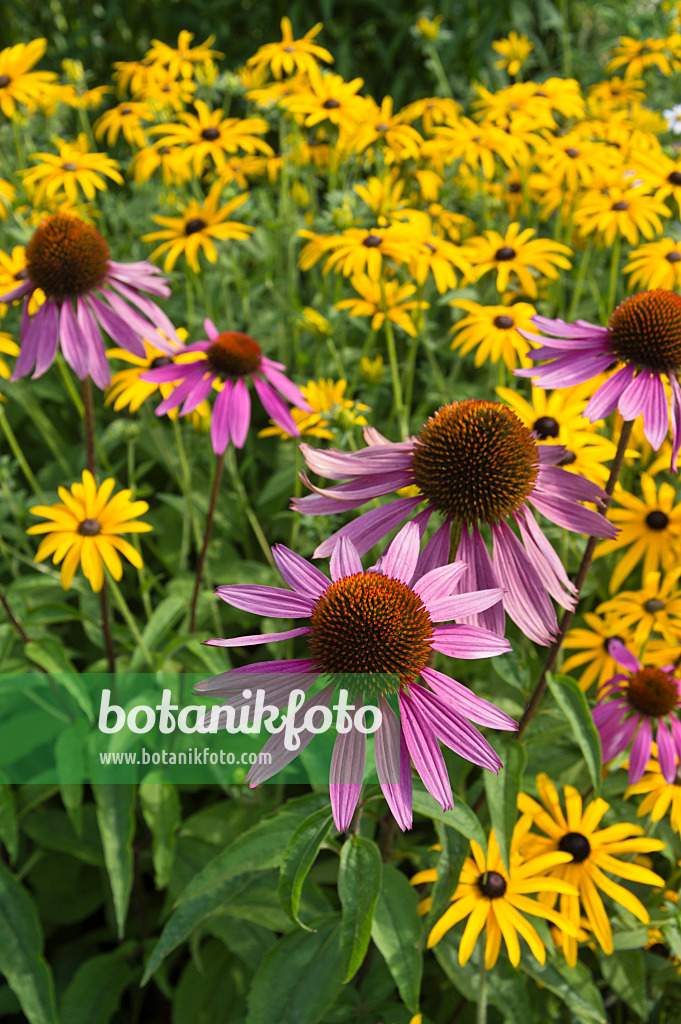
{"x":579,"y":280}
{"x":438,"y":70}
{"x":245,"y":503}
{"x":186,"y":483}
{"x":481,"y":1009}
{"x":129,"y":618}
{"x":366,"y":349}
{"x":144,"y":591}
{"x":13,"y":619}
{"x":614,"y":274}
{"x":206,"y":539}
{"x":398,"y":401}
{"x":19,"y":456}
{"x":106,"y":630}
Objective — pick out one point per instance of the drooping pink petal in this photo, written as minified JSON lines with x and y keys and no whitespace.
{"x":260,"y":638}
{"x":279,"y":756}
{"x":460,"y":606}
{"x":368,"y":529}
{"x":468,"y":642}
{"x":98,"y":364}
{"x":525,"y":598}
{"x":336,"y":465}
{"x":393,"y":765}
{"x":425,"y":752}
{"x":118,"y":329}
{"x":572,"y":516}
{"x":287,"y":388}
{"x":266,"y":672}
{"x":275,"y":407}
{"x":399,"y":561}
{"x":346,"y":775}
{"x":49,"y":338}
{"x":73,"y":348}
{"x":641,"y":750}
{"x":634,"y":398}
{"x":191,"y":380}
{"x":622,"y":655}
{"x":538,"y":547}
{"x":344,"y":560}
{"x":666,"y":754}
{"x":454,"y":730}
{"x":267,"y":601}
{"x":197,"y":395}
{"x":481,"y":575}
{"x":605,"y":399}
{"x":439,"y":582}
{"x":219,"y":424}
{"x":300,"y":574}
{"x":239,"y":413}
{"x":173,"y":371}
{"x":436,"y":551}
{"x":477,"y":709}
{"x":656,"y":413}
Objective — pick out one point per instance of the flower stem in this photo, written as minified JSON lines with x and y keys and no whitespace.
{"x":579,"y":281}
{"x":129,"y":618}
{"x":398,"y":400}
{"x":206,"y":539}
{"x":481,"y":1009}
{"x":584,"y":567}
{"x":19,"y":456}
{"x":13,"y":619}
{"x":245,"y":503}
{"x":106,"y":630}
{"x":614,"y":274}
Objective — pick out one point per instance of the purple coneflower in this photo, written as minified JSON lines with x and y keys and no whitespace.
{"x":635,"y":704}
{"x":84,"y":291}
{"x":643,"y":339}
{"x":224,"y":362}
{"x":374,"y":634}
{"x":476,"y":464}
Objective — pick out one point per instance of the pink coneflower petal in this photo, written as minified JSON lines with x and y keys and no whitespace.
{"x":666,"y":752}
{"x":458,"y":606}
{"x":18,"y":293}
{"x":274,"y":746}
{"x":676,"y":735}
{"x":173,"y":371}
{"x":210,"y":329}
{"x":634,"y":397}
{"x":541,"y":552}
{"x":266,"y":600}
{"x":616,"y":734}
{"x":454,"y":730}
{"x":567,"y":370}
{"x":277,"y":690}
{"x":236,"y":679}
{"x":219,"y":424}
{"x":344,"y":561}
{"x":98,"y":364}
{"x":473,"y":551}
{"x":604,"y":400}
{"x":440,"y":582}
{"x":300,"y":574}
{"x":425,"y":752}
{"x":572,"y":516}
{"x":260,"y":638}
{"x":468,"y":642}
{"x":622,"y":655}
{"x":436,"y":551}
{"x":275,"y":407}
{"x":346,"y":775}
{"x":401,"y":558}
{"x":198,"y":394}
{"x":676,"y":421}
{"x":473,"y":707}
{"x":239,"y":413}
{"x":286,"y":387}
{"x":552,"y":480}
{"x":30,"y":337}
{"x":181,"y":392}
{"x":640,"y":751}
{"x":74,"y":352}
{"x":656,"y":413}
{"x":338,"y":465}
{"x":49,"y":339}
{"x":525,"y":599}
{"x":368,"y":529}
{"x":151,"y":311}
{"x":393,"y":766}
{"x":355,"y":492}
{"x":118,"y":328}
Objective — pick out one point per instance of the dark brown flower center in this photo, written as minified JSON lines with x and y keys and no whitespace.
{"x":331,"y":104}
{"x":652,"y":692}
{"x":674,"y":178}
{"x":160,"y":361}
{"x":620,"y":205}
{"x":475,"y":461}
{"x":210,"y":134}
{"x":4,"y":81}
{"x":514,"y":187}
{"x":492,"y":885}
{"x":372,"y":241}
{"x":194,"y":225}
{"x":567,"y":459}
{"x":657,"y":519}
{"x":546,"y":426}
{"x":66,"y":257}
{"x":572,"y":153}
{"x":374,"y":627}
{"x":576,"y":844}
{"x":652,"y":605}
{"x":503,"y":322}
{"x":234,"y":354}
{"x":673,"y":256}
{"x":504,"y":254}
{"x":69,"y":166}
{"x":646,"y":330}
{"x":89,"y":528}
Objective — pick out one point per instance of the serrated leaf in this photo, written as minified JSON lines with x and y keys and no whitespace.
{"x":397,"y":931}
{"x":572,"y":703}
{"x":21,"y":957}
{"x":359,"y":883}
{"x":95,"y":991}
{"x":299,"y":856}
{"x":461,"y":817}
{"x":162,"y":812}
{"x":166,"y":615}
{"x":300,"y":977}
{"x":115,"y":816}
{"x":502,"y":794}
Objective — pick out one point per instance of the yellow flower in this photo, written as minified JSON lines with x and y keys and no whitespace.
{"x":18,"y":84}
{"x":85,"y":527}
{"x":126,"y":117}
{"x":515,"y":253}
{"x":655,"y":608}
{"x":13,"y":270}
{"x":313,"y":321}
{"x":493,"y":332}
{"x":514,"y":51}
{"x":477,"y":145}
{"x":429,"y":28}
{"x":75,"y":167}
{"x":181,"y":59}
{"x":592,"y":643}
{"x":634,"y":55}
{"x":505,"y":106}
{"x":432,"y":110}
{"x":290,"y":55}
{"x":382,"y":195}
{"x":379,"y":298}
{"x":649,"y":526}
{"x":8,"y":347}
{"x":655,"y":265}
{"x":371,"y":370}
{"x":496,"y":900}
{"x":358,"y":250}
{"x":620,"y":210}
{"x":170,"y":159}
{"x":134,"y":75}
{"x":209,"y":134}
{"x":329,"y":407}
{"x":615,"y":92}
{"x":238,"y":170}
{"x":434,"y":254}
{"x":195,"y":230}
{"x":660,"y":795}
{"x":593,"y":853}
{"x":328,"y":98}
{"x":380,"y":124}
{"x":570,"y":161}
{"x":7,"y":194}
{"x":162,"y":90}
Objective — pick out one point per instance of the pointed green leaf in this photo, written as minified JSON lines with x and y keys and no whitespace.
{"x":502,"y":793}
{"x":298,"y":858}
{"x":573,"y":985}
{"x":461,"y":817}
{"x":359,"y":883}
{"x":625,"y":973}
{"x":454,"y":849}
{"x":115,"y":806}
{"x":166,"y":615}
{"x":9,"y":828}
{"x":95,"y":991}
{"x":397,"y":931}
{"x":21,"y":957}
{"x":572,"y":703}
{"x":163,"y":814}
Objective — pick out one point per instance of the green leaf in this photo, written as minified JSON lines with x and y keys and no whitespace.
{"x":359,"y":883}
{"x":210,"y":991}
{"x":300,"y":977}
{"x":9,"y":828}
{"x":162,"y":812}
{"x":115,"y":806}
{"x":166,"y":615}
{"x":299,"y":856}
{"x":70,"y":764}
{"x":461,"y":817}
{"x":506,"y":986}
{"x":502,"y":794}
{"x":625,"y":973}
{"x":397,"y":931}
{"x":96,"y":988}
{"x":572,"y":703}
{"x":573,"y":985}
{"x":21,"y":958}
{"x":453,"y":852}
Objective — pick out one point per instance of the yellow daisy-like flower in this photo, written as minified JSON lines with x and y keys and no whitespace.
{"x":655,"y":608}
{"x":127,"y":390}
{"x":85,"y":529}
{"x":163,"y":90}
{"x":592,"y":644}
{"x":635,"y":55}
{"x":493,"y":332}
{"x":514,"y":50}
{"x":429,"y":28}
{"x":655,"y":265}
{"x":571,"y":160}
{"x":379,"y":124}
{"x":593,"y":852}
{"x":479,"y":145}
{"x":383,"y":196}
{"x":516,"y":252}
{"x":182,"y":59}
{"x":7,"y":194}
{"x":620,"y":210}
{"x":661,"y":796}
{"x":371,"y":370}
{"x":615,"y":92}
{"x":170,"y":159}
{"x":384,"y":298}
{"x":433,"y":254}
{"x":134,"y":75}
{"x":329,"y":406}
{"x":127,"y":118}
{"x":18,"y":84}
{"x":290,"y":55}
{"x":238,"y":170}
{"x":195,"y":230}
{"x":8,"y":347}
{"x":557,"y":418}
{"x":208,"y":134}
{"x":12,"y":271}
{"x":358,"y":251}
{"x":496,"y":900}
{"x":75,"y":167}
{"x":650,"y":527}
{"x":503,"y":106}
{"x":432,"y":110}
{"x":328,"y":98}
